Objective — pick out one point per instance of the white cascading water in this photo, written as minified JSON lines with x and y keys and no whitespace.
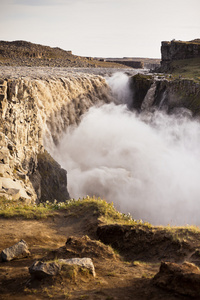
{"x":147,"y":164}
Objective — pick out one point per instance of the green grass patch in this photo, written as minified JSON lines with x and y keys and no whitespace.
{"x":186,"y":68}
{"x":18,"y":209}
{"x":105,"y":211}
{"x":93,"y":206}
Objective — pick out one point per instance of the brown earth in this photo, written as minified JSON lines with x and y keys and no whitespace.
{"x":118,"y":274}
{"x":22,"y":53}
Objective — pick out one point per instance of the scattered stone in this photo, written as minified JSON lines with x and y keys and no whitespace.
{"x":18,"y":250}
{"x":183,"y":279}
{"x":82,"y":262}
{"x":41,"y":270}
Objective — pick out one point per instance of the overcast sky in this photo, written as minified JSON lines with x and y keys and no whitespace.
{"x":107,"y":28}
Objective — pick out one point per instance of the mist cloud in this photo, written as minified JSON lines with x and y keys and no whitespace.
{"x":151,"y":170}
{"x":147,"y":164}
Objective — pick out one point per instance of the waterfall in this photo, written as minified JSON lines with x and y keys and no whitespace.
{"x":147,"y":164}
{"x":149,"y":98}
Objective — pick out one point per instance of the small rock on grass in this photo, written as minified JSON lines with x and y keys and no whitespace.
{"x":18,"y":250}
{"x":84,"y":262}
{"x":41,"y":270}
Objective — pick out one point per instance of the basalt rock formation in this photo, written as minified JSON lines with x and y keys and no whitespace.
{"x":34,"y":113}
{"x":178,"y":50}
{"x":151,"y":92}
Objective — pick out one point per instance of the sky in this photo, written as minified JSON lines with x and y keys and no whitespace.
{"x":101,"y":28}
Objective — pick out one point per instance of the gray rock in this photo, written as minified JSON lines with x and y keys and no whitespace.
{"x":82,"y":262}
{"x":18,"y":250}
{"x":41,"y":270}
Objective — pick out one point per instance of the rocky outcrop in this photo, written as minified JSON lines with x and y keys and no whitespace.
{"x":129,"y":63}
{"x":49,"y":179}
{"x":34,"y":114}
{"x":176,"y":50}
{"x":182,"y":279}
{"x":140,"y":84}
{"x":150,"y":92}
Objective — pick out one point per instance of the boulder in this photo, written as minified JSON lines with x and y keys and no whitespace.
{"x":42,"y":270}
{"x":13,"y":188}
{"x":82,"y":262}
{"x":183,"y":279}
{"x":18,"y":250}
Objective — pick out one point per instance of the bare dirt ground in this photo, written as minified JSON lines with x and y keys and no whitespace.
{"x":116,"y":277}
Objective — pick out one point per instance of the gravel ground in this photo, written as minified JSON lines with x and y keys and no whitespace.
{"x":49,"y":72}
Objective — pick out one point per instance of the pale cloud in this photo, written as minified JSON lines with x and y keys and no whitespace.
{"x":42,"y":2}
{"x":101,"y":27}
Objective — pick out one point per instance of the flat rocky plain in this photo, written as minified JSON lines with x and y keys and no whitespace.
{"x":49,"y":72}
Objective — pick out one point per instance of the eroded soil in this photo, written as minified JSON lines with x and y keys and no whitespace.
{"x":117,"y":276}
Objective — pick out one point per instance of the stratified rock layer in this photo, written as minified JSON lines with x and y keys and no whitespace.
{"x":34,"y":114}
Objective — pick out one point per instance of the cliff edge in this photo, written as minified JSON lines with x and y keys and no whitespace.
{"x":177,"y":51}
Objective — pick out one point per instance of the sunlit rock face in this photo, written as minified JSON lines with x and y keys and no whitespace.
{"x":35,"y":112}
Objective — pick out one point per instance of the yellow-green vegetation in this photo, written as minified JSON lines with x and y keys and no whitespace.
{"x":102,"y":209}
{"x":19,"y":209}
{"x":71,"y":271}
{"x":186,"y":68}
{"x":182,"y":233}
{"x":99,"y":208}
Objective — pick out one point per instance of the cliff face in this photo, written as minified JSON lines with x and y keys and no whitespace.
{"x":150,"y":93}
{"x":35,"y":111}
{"x":177,"y":50}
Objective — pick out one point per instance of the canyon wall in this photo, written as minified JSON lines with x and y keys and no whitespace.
{"x":176,"y":50}
{"x":150,"y":92}
{"x":35,"y":112}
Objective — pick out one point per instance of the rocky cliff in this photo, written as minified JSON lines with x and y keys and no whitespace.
{"x":151,"y":92}
{"x":34,"y":113}
{"x":178,"y":50}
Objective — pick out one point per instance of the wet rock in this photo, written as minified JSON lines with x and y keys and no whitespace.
{"x":18,"y":250}
{"x":49,"y":180}
{"x":183,"y":279}
{"x":41,"y":270}
{"x":82,"y":262}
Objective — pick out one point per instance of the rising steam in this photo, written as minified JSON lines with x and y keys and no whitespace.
{"x":147,"y":164}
